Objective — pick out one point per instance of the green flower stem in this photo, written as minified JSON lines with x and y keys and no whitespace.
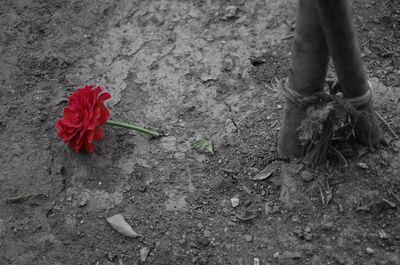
{"x":133,"y":127}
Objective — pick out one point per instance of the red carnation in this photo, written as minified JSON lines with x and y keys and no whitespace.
{"x":84,"y":117}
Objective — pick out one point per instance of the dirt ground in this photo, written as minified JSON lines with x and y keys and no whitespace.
{"x":184,"y":68}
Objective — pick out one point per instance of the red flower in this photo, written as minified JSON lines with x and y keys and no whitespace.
{"x":83,"y":117}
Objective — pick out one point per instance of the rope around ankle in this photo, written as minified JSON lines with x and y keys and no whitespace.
{"x":302,"y":100}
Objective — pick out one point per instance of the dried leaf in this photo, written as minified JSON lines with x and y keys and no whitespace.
{"x":22,"y":198}
{"x":203,"y":146}
{"x":247,"y":215}
{"x":144,"y":252}
{"x":118,"y":223}
{"x":377,"y":206}
{"x":268,"y":171}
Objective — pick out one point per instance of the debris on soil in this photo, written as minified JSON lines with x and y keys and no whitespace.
{"x":22,"y":198}
{"x":326,"y":196}
{"x":227,"y":64}
{"x":268,"y":171}
{"x":118,"y":223}
{"x":362,"y":165}
{"x":84,"y":199}
{"x":291,"y":255}
{"x":267,"y":209}
{"x":144,"y":252}
{"x":205,"y":77}
{"x":306,"y":176}
{"x":203,"y":146}
{"x":289,"y":193}
{"x":256,"y":61}
{"x":382,"y":234}
{"x":377,"y":207}
{"x":248,"y":238}
{"x":235,"y":202}
{"x":370,"y":251}
{"x":256,"y":261}
{"x":230,"y":12}
{"x":247,"y":215}
{"x":245,"y":75}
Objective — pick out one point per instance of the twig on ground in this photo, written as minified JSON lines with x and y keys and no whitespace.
{"x":387,"y":126}
{"x":340,"y":155}
{"x":288,"y":37}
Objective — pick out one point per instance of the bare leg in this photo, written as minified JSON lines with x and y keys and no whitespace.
{"x":335,"y":18}
{"x":310,"y":57}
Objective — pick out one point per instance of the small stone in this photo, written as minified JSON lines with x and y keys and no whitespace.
{"x":200,"y":225}
{"x":83,"y":200}
{"x":306,"y":176}
{"x":279,"y":106}
{"x":144,"y":252}
{"x":207,"y":233}
{"x":276,"y":255}
{"x":245,"y":74}
{"x":228,"y":64}
{"x":362,"y":165}
{"x":256,"y":261}
{"x":69,"y":199}
{"x":248,"y":238}
{"x":328,"y":226}
{"x":235,"y":202}
{"x":208,"y":77}
{"x":370,"y":251}
{"x":230,"y":12}
{"x":307,"y":229}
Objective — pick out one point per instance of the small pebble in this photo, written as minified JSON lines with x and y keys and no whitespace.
{"x":306,"y":176}
{"x":276,"y":255}
{"x":228,"y":64}
{"x":256,"y":261}
{"x":230,"y":12}
{"x":370,"y":251}
{"x":235,"y":202}
{"x":362,"y":165}
{"x":144,"y":252}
